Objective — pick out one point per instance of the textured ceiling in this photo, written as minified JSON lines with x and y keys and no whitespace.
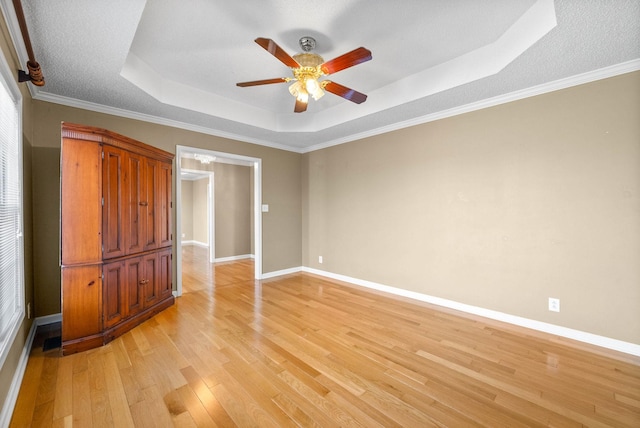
{"x":177,"y":62}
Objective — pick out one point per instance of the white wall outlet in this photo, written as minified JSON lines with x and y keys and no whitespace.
{"x":265,"y":208}
{"x":554,"y":304}
{"x":320,"y":259}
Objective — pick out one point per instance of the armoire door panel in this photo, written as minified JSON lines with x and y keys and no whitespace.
{"x":135,"y":281}
{"x":114,"y":209}
{"x":134,"y":224}
{"x":150,"y":283}
{"x":165,"y":284}
{"x":163,"y":201}
{"x":114,"y":294}
{"x":149,"y":204}
{"x":80,"y":202}
{"x":81,"y":301}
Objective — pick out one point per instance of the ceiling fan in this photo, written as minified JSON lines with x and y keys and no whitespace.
{"x":308,"y":67}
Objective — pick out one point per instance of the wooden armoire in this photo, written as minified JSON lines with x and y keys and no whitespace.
{"x":116,"y":235}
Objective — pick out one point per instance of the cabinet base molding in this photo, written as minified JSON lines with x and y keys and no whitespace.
{"x":95,"y":341}
{"x":127,"y":325}
{"x":83,"y":344}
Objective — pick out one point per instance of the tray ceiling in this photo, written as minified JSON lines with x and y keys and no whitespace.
{"x":177,"y":62}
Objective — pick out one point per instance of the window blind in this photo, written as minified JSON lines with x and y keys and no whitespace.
{"x":11,"y":238}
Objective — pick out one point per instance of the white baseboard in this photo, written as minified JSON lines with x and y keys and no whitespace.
{"x":196,"y":243}
{"x":582,"y":336}
{"x":232,"y":258}
{"x":282,"y":272}
{"x":16,"y":382}
{"x":48,"y":319}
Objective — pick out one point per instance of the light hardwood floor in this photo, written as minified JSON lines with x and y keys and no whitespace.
{"x":301,"y":350}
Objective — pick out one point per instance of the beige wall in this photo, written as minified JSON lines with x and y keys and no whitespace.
{"x":200,"y":210}
{"x":233,"y":206}
{"x":186,"y":205}
{"x":500,"y":208}
{"x":46,"y":229}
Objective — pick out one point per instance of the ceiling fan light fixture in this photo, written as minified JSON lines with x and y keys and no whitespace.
{"x":303,"y":97}
{"x":295,"y":88}
{"x":311,"y":85}
{"x":298,"y":90}
{"x":314,"y":88}
{"x":307,"y":82}
{"x":308,"y":68}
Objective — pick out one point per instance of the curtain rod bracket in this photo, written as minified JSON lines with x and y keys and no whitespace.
{"x":23,"y":77}
{"x":34,"y":76}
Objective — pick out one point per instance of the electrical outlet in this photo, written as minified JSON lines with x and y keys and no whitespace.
{"x":554,"y":304}
{"x":320,"y":259}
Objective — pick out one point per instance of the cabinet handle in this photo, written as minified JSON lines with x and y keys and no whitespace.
{"x":141,"y":282}
{"x":144,"y":204}
{"x":91,"y":283}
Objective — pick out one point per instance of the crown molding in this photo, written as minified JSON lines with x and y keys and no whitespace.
{"x":114,"y":111}
{"x":580,"y":79}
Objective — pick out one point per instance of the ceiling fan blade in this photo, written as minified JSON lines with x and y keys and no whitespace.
{"x":262,"y":82}
{"x":275,"y":50}
{"x":355,"y":57}
{"x":301,"y":106}
{"x":344,"y":92}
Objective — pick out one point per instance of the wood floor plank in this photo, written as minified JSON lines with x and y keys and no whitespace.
{"x":63,"y":405}
{"x":48,"y":377}
{"x":100,"y":407}
{"x":150,"y":412}
{"x":42,"y":416}
{"x":82,"y":412}
{"x":261,"y":390}
{"x":302,"y":350}
{"x":312,"y":402}
{"x":26,"y":402}
{"x":120,"y":409}
{"x":212,"y":406}
{"x":195,"y":407}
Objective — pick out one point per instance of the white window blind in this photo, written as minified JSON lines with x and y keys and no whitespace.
{"x":11,"y":238}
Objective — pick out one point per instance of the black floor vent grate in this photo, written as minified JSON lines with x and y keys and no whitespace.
{"x":52,"y":343}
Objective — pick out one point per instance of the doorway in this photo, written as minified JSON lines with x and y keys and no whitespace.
{"x":207,"y":156}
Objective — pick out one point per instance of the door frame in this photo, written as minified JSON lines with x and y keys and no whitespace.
{"x":211,"y":217}
{"x":256,"y":163}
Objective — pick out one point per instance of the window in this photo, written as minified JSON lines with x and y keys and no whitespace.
{"x":11,"y":238}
